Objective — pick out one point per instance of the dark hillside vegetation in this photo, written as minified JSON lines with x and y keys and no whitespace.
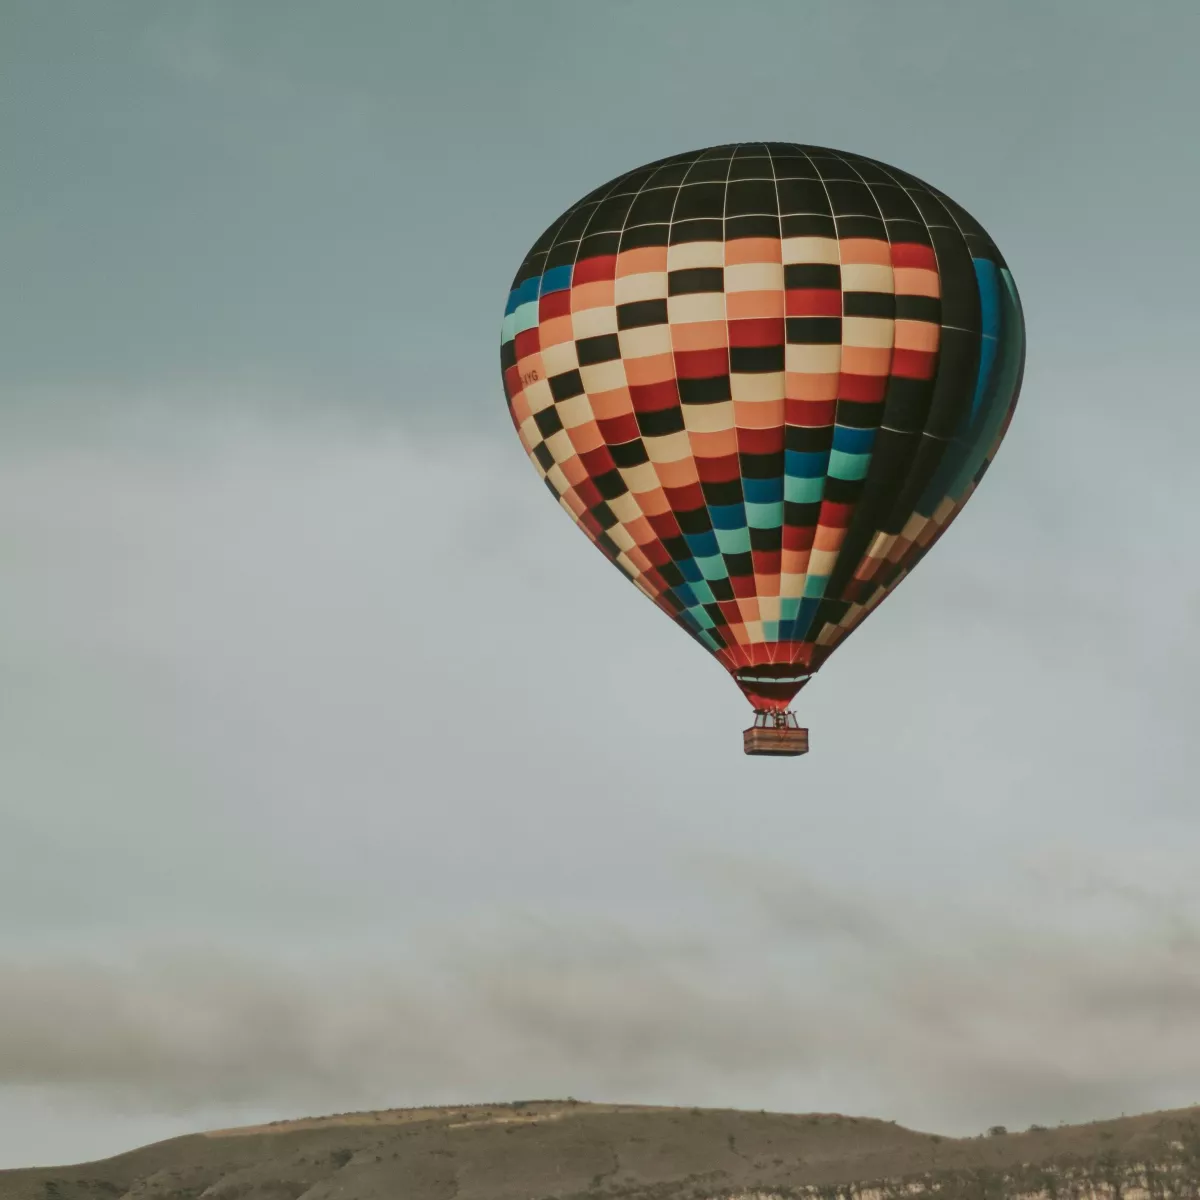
{"x":565,"y":1150}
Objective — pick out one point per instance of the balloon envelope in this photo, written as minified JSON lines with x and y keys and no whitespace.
{"x":763,"y":379}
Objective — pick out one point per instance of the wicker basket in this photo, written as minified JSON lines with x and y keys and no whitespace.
{"x":790,"y":742}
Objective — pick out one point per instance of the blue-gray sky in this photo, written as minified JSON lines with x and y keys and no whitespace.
{"x":267,"y":542}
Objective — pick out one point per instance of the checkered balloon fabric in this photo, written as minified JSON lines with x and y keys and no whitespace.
{"x":763,"y":379}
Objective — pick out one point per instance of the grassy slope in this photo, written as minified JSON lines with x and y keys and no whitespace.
{"x":568,"y":1150}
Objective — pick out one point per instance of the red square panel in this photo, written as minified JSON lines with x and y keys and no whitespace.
{"x":718,"y":470}
{"x":588,"y":492}
{"x":664,"y":525}
{"x":913,"y":254}
{"x":512,"y":381}
{"x":814,"y":302}
{"x":656,"y":552}
{"x":765,"y":331}
{"x":730,"y":611}
{"x":798,"y":537}
{"x":527,"y":342}
{"x":597,"y":462}
{"x":913,"y":364}
{"x":593,"y":270}
{"x":685,"y":499}
{"x":767,"y":562}
{"x":701,"y":364}
{"x":811,"y":414}
{"x":654,"y":397}
{"x":619,"y":430}
{"x":554,"y":304}
{"x":835,"y":516}
{"x":863,"y":388}
{"x":760,"y":441}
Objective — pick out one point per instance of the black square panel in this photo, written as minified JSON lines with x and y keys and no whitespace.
{"x":808,"y":439}
{"x":832,"y":166}
{"x":852,"y":199}
{"x":794,"y":166}
{"x":700,"y":200}
{"x":610,"y":485}
{"x":653,"y":207}
{"x":592,"y":350}
{"x":759,"y":466}
{"x":908,"y":231}
{"x":760,"y":226}
{"x":645,"y":235}
{"x":660,"y":423}
{"x":808,"y":225}
{"x":671,"y":574}
{"x":640,"y":313}
{"x":694,"y":521}
{"x":958,"y":362}
{"x":842,"y":491}
{"x":751,"y":168}
{"x":710,"y":170}
{"x":606,"y":517}
{"x":869,"y":304}
{"x":868,"y":171}
{"x":610,"y":215}
{"x":670,"y":175}
{"x":706,"y":230}
{"x":629,"y":454}
{"x":751,"y":197}
{"x":826,"y":277}
{"x":906,"y":403}
{"x":857,"y":414}
{"x":722,"y":493}
{"x":694,"y":280}
{"x":599,"y":245}
{"x":929,"y":454}
{"x":802,"y":516}
{"x":574,"y":227}
{"x":562,"y":254}
{"x":548,"y":421}
{"x":632,"y":183}
{"x":895,"y":203}
{"x":960,"y":292}
{"x":862,"y":227}
{"x":802,"y":196}
{"x":919,"y":308}
{"x":704,"y":391}
{"x":565,"y":386}
{"x":931,"y":208}
{"x":814,"y":331}
{"x":755,"y":360}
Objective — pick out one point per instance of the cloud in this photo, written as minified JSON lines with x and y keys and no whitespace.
{"x":949,"y":1026}
{"x":193,"y":1030}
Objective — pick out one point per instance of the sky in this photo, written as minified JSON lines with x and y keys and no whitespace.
{"x":338,"y":770}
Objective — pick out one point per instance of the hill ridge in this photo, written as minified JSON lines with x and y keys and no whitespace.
{"x":575,"y":1150}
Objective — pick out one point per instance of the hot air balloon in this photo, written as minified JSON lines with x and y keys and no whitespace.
{"x":763,"y":378}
